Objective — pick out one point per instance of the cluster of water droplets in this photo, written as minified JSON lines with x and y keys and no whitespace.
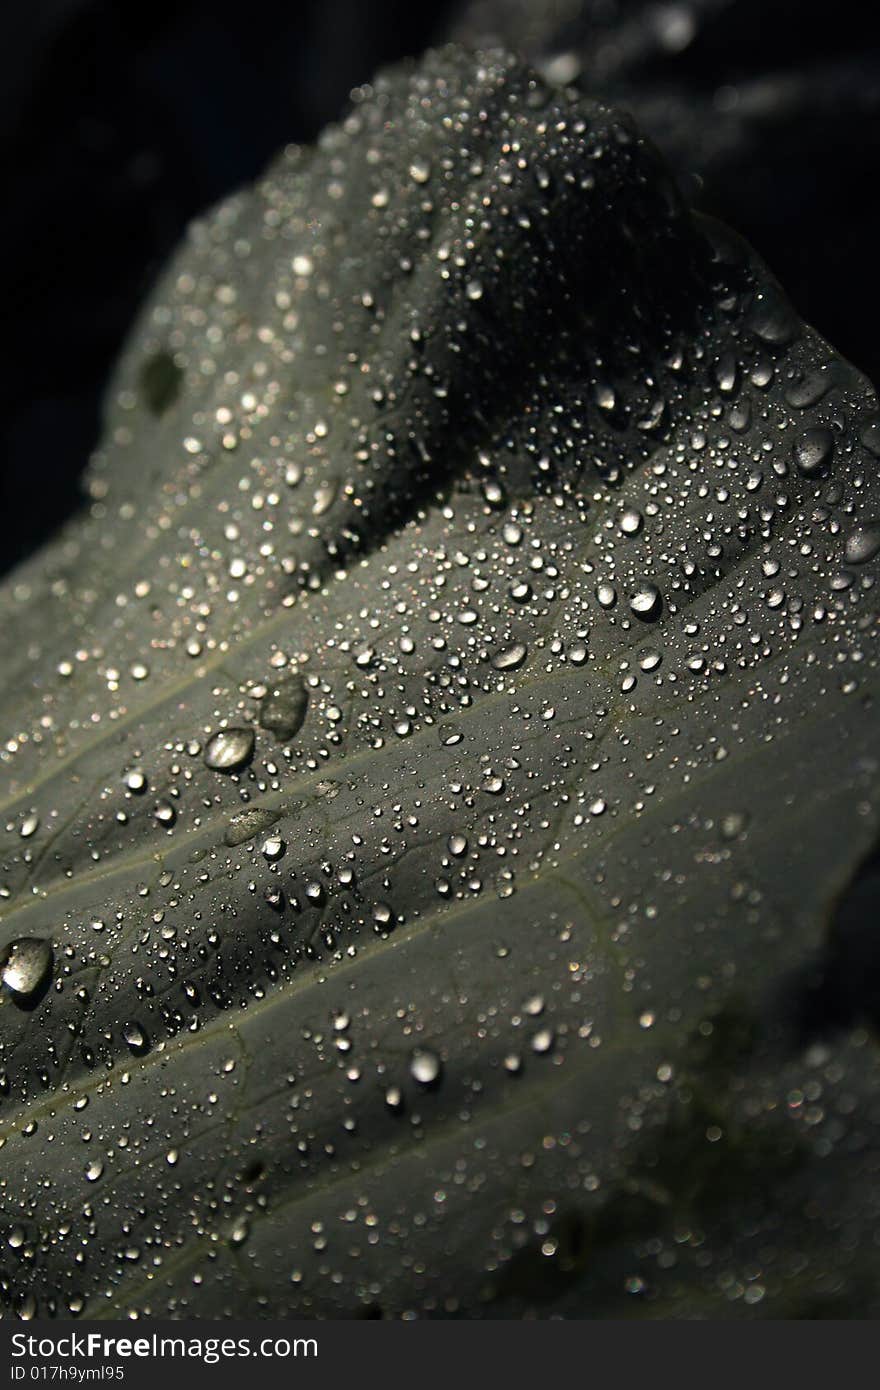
{"x":404,"y":759}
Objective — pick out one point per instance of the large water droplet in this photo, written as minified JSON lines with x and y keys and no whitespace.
{"x":646,"y":602}
{"x":283,"y":710}
{"x":27,"y":965}
{"x":135,"y":1037}
{"x":247,"y":824}
{"x":425,"y":1067}
{"x":630,"y":521}
{"x":229,"y":750}
{"x":812,"y":452}
{"x":863,"y":543}
{"x":511,"y":658}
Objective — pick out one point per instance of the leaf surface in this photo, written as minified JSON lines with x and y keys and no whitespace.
{"x":436,"y":754}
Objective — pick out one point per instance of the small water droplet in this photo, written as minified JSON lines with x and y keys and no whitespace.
{"x":394,"y":1098}
{"x":240,"y":1232}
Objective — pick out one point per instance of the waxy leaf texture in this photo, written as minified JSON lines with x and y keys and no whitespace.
{"x":431,"y":762}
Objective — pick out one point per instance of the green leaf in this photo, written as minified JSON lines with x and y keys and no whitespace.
{"x":434,"y":756}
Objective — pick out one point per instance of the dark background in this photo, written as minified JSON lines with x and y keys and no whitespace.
{"x":123,"y":119}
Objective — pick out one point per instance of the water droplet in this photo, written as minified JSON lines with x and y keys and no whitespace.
{"x":870,"y":437}
{"x":420,"y":171}
{"x":229,"y":750}
{"x":135,"y":1037}
{"x":543,"y":1040}
{"x":511,"y":658}
{"x":733,"y":824}
{"x":27,"y":965}
{"x":646,"y":602}
{"x":394,"y":1098}
{"x":863,"y":543}
{"x":812,"y":452}
{"x":246,"y":825}
{"x":772,"y":319}
{"x":630,"y":521}
{"x":425,"y":1067}
{"x":240,"y":1232}
{"x":283,"y":709}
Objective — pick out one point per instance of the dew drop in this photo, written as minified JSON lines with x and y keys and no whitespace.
{"x":543,"y":1040}
{"x":813,"y":450}
{"x":283,"y":710}
{"x":229,"y":750}
{"x":135,"y":1037}
{"x":630,"y":521}
{"x":425,"y":1067}
{"x":646,"y":602}
{"x":27,"y":965}
{"x":511,"y":658}
{"x":247,"y":824}
{"x":863,"y":543}
{"x":394,"y":1098}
